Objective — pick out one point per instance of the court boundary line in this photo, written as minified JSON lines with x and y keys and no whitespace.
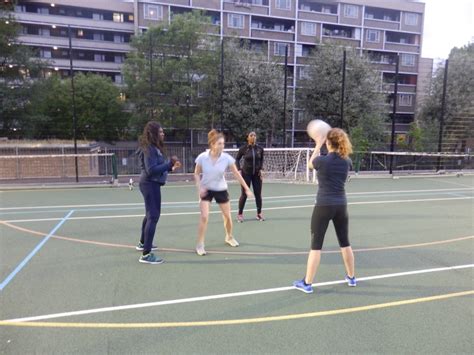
{"x":25,"y":261}
{"x":233,"y":211}
{"x":220,"y":252}
{"x":239,"y":321}
{"x":225,"y":295}
{"x":232,"y":200}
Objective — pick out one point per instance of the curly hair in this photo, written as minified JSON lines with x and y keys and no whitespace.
{"x":339,"y":140}
{"x":151,"y":137}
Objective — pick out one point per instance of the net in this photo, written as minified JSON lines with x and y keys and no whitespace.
{"x":291,"y":164}
{"x":284,"y":164}
{"x":59,"y":166}
{"x":413,"y":163}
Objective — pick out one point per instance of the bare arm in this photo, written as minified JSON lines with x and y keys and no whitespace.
{"x":241,"y":180}
{"x":197,"y":179}
{"x":316,"y":153}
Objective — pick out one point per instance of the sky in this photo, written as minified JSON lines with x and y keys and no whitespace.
{"x":448,"y":24}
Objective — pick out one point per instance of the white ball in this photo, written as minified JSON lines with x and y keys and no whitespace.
{"x":318,"y":130}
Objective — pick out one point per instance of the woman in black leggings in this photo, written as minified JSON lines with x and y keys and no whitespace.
{"x":155,"y":168}
{"x":331,"y":204}
{"x":251,"y":171}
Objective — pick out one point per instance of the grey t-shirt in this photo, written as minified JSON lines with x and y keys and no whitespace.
{"x":332,"y":175}
{"x":213,"y":172}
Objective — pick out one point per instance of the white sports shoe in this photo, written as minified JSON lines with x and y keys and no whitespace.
{"x":232,"y":242}
{"x":200,"y":250}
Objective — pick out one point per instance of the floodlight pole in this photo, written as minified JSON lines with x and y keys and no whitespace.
{"x":343,"y":88}
{"x":285,"y":94}
{"x":443,"y":109}
{"x":394,"y":112}
{"x":74,"y":117}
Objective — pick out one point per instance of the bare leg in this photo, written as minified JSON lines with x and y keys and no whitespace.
{"x":227,"y":217}
{"x":348,"y":257}
{"x":314,"y":258}
{"x":204,"y":218}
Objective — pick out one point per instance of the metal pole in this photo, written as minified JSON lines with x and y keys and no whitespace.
{"x":222,"y":83}
{"x":343,"y":88}
{"x":285,"y":93}
{"x":150,"y":54}
{"x":74,"y":117}
{"x":443,"y":109}
{"x":394,"y":112}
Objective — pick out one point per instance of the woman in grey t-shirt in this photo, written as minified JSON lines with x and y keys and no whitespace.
{"x":210,"y":181}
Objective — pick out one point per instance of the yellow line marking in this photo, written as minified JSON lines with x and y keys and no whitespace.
{"x":236,"y":321}
{"x":178,"y":250}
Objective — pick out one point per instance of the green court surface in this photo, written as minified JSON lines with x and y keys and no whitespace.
{"x":74,"y":285}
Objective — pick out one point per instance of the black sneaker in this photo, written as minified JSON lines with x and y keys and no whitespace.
{"x":150,"y":259}
{"x":139,"y":247}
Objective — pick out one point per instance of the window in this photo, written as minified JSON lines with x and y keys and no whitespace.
{"x":283,"y":4}
{"x":235,"y":21}
{"x":20,"y":8}
{"x":119,"y":39}
{"x":279,"y":49}
{"x":43,"y":10}
{"x":373,"y":36}
{"x":99,"y":58}
{"x":411,"y":19}
{"x":45,"y":53}
{"x":97,"y":16}
{"x":117,"y":17}
{"x":308,"y":28}
{"x":118,"y":59}
{"x":80,"y":33}
{"x":44,"y":32}
{"x":405,"y":100}
{"x":153,"y":12}
{"x":408,"y":60}
{"x":130,"y":18}
{"x":98,"y":36}
{"x":303,"y":73}
{"x":351,"y":11}
{"x":326,"y":9}
{"x":118,"y":79}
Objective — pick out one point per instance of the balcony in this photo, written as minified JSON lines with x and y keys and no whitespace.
{"x":249,"y":6}
{"x":34,"y":18}
{"x":208,"y":4}
{"x":87,"y":65}
{"x":402,"y":88}
{"x":339,"y":35}
{"x":42,"y":41}
{"x":272,"y":34}
{"x":273,"y":29}
{"x":323,"y":12}
{"x":389,"y":25}
{"x":402,"y":47}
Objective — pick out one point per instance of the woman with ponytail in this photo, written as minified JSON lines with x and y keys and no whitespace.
{"x":331,"y":205}
{"x":210,"y":181}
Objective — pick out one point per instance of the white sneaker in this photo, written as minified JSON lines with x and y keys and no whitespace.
{"x":232,"y":242}
{"x":200,"y":250}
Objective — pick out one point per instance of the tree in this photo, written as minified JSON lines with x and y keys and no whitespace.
{"x":100,"y":112}
{"x":167,"y":69}
{"x":253,"y":93}
{"x":459,"y":109}
{"x":18,"y":68}
{"x":364,"y":103}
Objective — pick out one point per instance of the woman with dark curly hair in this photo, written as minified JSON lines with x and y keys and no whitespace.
{"x":154,"y":171}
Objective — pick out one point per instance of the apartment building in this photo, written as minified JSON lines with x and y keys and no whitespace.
{"x":102,"y":29}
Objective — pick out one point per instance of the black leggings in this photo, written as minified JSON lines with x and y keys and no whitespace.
{"x":151,"y":192}
{"x":256,"y":182}
{"x":320,"y":221}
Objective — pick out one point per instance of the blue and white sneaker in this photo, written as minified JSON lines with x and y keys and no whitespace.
{"x":140,"y":246}
{"x":150,"y":258}
{"x":351,"y":281}
{"x":300,"y":285}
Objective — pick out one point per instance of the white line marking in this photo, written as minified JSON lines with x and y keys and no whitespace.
{"x":227,"y":295}
{"x":233,"y":211}
{"x":233,"y":200}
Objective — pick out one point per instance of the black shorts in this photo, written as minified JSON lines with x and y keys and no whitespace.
{"x":219,"y":196}
{"x":322,"y":215}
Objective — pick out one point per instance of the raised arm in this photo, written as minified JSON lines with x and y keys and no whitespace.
{"x":316,"y":153}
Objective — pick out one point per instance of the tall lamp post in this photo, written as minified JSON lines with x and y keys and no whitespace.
{"x":74,"y":117}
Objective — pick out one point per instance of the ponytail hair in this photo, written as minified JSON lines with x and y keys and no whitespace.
{"x":213,"y":136}
{"x":340,"y":142}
